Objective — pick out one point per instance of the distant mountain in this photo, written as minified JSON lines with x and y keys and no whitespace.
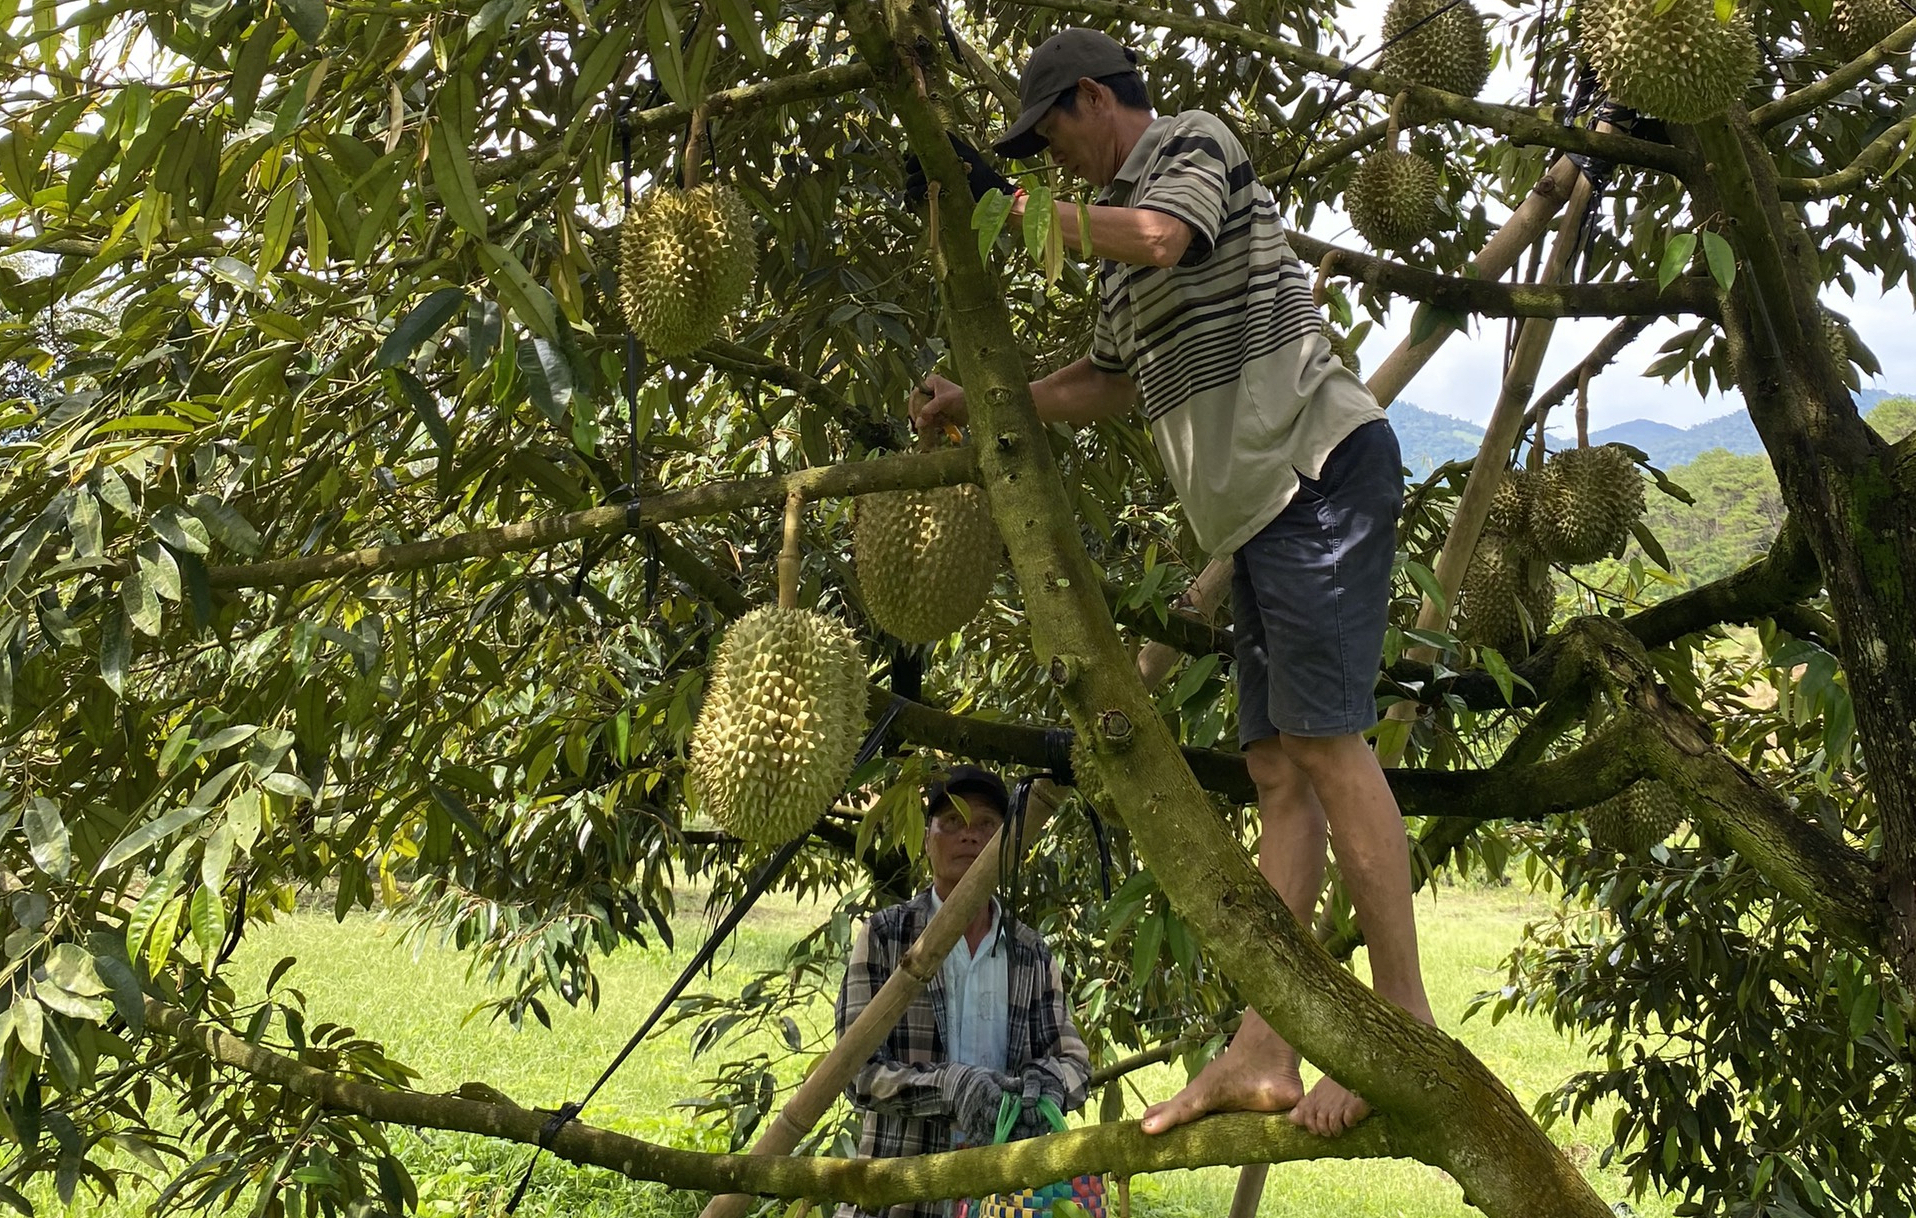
{"x":1429,"y":439}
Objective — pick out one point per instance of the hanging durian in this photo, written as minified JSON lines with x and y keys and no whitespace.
{"x":686,"y":261}
{"x":1341,"y":347}
{"x":1587,"y":502}
{"x":926,"y":559}
{"x":784,"y":712}
{"x":1511,"y":506}
{"x":1682,"y":62}
{"x":1640,"y":816}
{"x":1450,"y":51}
{"x":1392,"y":199}
{"x":1508,"y":596}
{"x":1857,"y":25}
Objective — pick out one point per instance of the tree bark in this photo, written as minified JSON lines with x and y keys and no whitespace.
{"x":1838,"y":478}
{"x":1453,"y":1112}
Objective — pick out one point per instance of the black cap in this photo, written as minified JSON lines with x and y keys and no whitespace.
{"x":1057,"y":65}
{"x":967,"y":780}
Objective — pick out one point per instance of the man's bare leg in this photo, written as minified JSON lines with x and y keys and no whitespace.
{"x":1367,"y":831}
{"x":1258,"y":1072}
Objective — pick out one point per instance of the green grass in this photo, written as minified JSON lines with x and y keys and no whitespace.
{"x":416,"y":1003}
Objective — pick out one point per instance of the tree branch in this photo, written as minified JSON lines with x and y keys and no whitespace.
{"x":742,"y":361}
{"x":1114,"y":1149}
{"x":1690,"y":294}
{"x":1522,"y":128}
{"x":1871,"y":159}
{"x":904,"y":472}
{"x":1810,"y":96}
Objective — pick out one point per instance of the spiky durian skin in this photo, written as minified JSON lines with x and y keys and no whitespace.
{"x":686,"y":260}
{"x":1857,"y":25}
{"x":1450,"y":52}
{"x":1682,"y":64}
{"x":926,"y":560}
{"x":1342,"y":349}
{"x":784,"y":712}
{"x":1588,"y":499}
{"x":1640,"y":816}
{"x":1511,"y":506}
{"x":1392,"y":198}
{"x":1508,"y":596}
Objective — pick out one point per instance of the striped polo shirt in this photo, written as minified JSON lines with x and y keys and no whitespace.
{"x":1241,"y":389}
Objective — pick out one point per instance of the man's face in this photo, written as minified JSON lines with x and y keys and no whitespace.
{"x":1083,"y":141}
{"x":955,"y":836}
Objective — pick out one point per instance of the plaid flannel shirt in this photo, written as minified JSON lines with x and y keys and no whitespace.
{"x":896,"y":1092}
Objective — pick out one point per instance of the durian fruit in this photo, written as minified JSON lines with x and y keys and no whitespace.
{"x":1449,"y":52}
{"x":1630,"y":822}
{"x":1342,"y":349}
{"x":1587,"y":500}
{"x":686,"y":260}
{"x":1683,"y":63}
{"x":1507,"y":598}
{"x":926,"y":560}
{"x":1392,"y":199}
{"x":1857,"y":25}
{"x":784,"y":712}
{"x":1511,"y":506}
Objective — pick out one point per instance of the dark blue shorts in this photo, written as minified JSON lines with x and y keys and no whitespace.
{"x":1310,"y":597}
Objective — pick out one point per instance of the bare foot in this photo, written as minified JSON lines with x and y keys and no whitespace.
{"x":1258,"y":1073}
{"x":1330,"y":1109}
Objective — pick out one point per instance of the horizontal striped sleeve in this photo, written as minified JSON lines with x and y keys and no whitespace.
{"x":1105,"y":356}
{"x":1192,"y":179}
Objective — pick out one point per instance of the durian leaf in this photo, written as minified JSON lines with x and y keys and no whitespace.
{"x":742,"y":25}
{"x":662,"y":44}
{"x":1722,"y":259}
{"x":1651,"y":546}
{"x":425,"y":405}
{"x":529,"y":302}
{"x":1429,"y":320}
{"x":698,"y":64}
{"x":988,"y":219}
{"x":426,"y":320}
{"x":1039,"y":219}
{"x":1427,"y":581}
{"x":548,"y":377}
{"x":452,"y":174}
{"x":1676,"y":256}
{"x":307,"y":17}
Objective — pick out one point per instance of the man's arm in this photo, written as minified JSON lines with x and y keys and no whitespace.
{"x":1137,"y":236}
{"x":1061,"y":1066}
{"x":1078,"y":393}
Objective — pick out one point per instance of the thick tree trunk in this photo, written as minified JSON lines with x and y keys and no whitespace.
{"x":1450,"y":1109}
{"x":1838,"y":478}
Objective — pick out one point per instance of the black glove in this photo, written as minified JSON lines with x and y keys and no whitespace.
{"x":982,"y":177}
{"x":973,"y":1093}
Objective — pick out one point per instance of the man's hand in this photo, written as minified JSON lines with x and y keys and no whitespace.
{"x":973,"y":1094}
{"x":978,"y":172}
{"x":938,"y":402}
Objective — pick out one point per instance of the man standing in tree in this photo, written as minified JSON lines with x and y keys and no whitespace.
{"x":995,"y":1018}
{"x":1277,"y":452}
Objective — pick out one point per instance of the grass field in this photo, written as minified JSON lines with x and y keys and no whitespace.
{"x":361,"y":974}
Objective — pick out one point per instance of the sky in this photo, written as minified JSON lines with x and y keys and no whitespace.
{"x":1464,"y":377}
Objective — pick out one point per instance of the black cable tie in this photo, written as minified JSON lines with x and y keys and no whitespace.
{"x":634,"y":514}
{"x":1104,"y":847}
{"x":557,"y":1121}
{"x":1057,"y":755}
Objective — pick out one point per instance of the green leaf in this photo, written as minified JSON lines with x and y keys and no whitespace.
{"x":208,"y":921}
{"x":166,"y":929}
{"x":548,"y":377}
{"x":426,"y":320}
{"x":116,"y":651}
{"x":83,"y":524}
{"x":1427,"y":583}
{"x":452,"y":176}
{"x":742,"y":26}
{"x":142,"y":603}
{"x":482,"y":331}
{"x":1429,"y":321}
{"x":988,"y":219}
{"x":29,"y":1025}
{"x":307,"y":17}
{"x":1676,"y":256}
{"x":181,"y":531}
{"x":1039,"y":220}
{"x":148,"y":835}
{"x":159,"y":890}
{"x":416,"y":395}
{"x":159,"y":569}
{"x":123,"y":984}
{"x":224,"y":521}
{"x":47,"y":838}
{"x":662,"y":46}
{"x":1144,"y":953}
{"x":529,"y":302}
{"x":217,"y":856}
{"x":28,"y":547}
{"x":1722,"y":259}
{"x":70,"y":967}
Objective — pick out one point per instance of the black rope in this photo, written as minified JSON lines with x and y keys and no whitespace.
{"x":761,"y":881}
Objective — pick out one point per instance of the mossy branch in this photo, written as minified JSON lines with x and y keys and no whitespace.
{"x":1689,"y":294}
{"x":1871,"y":160}
{"x":912,"y":471}
{"x":1424,"y":103}
{"x":1113,"y":1149}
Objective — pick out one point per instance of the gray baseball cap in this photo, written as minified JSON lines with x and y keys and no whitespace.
{"x":1057,"y":65}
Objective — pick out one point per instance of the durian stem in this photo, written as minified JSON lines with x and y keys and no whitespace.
{"x":788,"y":557}
{"x":694,"y":149}
{"x":1391,"y":132}
{"x":1583,"y":410}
